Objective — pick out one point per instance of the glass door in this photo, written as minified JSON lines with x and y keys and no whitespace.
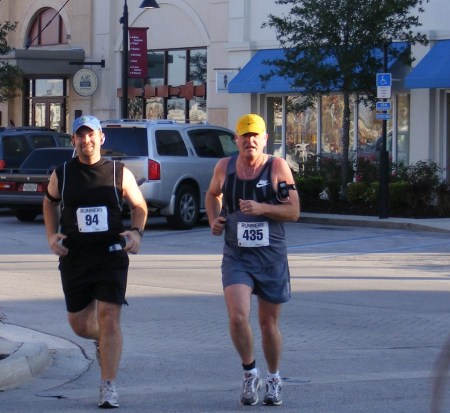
{"x":47,"y":113}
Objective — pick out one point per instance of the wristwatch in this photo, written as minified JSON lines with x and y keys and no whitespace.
{"x":139,"y":231}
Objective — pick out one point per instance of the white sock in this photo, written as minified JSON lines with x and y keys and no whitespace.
{"x":273,"y":376}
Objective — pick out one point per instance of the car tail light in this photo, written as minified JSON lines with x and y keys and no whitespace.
{"x":154,"y":170}
{"x":2,"y":164}
{"x":7,"y":186}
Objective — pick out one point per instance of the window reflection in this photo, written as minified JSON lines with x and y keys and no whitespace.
{"x":301,"y":129}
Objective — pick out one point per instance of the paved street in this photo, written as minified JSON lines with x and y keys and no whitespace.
{"x":368,"y":316}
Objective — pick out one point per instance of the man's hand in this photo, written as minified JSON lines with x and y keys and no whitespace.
{"x":218,"y":225}
{"x":133,"y":241}
{"x":54,"y":240}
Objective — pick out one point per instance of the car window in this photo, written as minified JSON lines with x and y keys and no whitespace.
{"x":125,"y":142}
{"x":228,"y":143}
{"x":64,"y":140}
{"x":170,"y":143}
{"x":15,"y":150}
{"x":42,"y":141}
{"x":212,"y":143}
{"x":46,"y":159}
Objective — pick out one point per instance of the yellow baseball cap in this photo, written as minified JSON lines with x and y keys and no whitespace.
{"x":250,"y":123}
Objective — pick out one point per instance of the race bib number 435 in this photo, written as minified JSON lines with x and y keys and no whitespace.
{"x":92,"y":219}
{"x":253,"y":234}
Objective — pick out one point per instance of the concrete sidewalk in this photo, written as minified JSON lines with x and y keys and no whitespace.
{"x":26,"y":353}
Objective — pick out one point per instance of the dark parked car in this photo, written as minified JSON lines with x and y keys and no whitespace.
{"x":22,"y":189}
{"x":16,"y":144}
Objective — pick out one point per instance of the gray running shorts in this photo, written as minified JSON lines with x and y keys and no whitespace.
{"x":272,"y":283}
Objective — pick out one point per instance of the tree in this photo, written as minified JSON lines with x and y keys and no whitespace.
{"x":10,"y":76}
{"x":337,"y":45}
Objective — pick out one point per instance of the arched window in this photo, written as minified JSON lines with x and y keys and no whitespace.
{"x":47,"y":29}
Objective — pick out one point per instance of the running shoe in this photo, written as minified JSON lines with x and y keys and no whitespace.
{"x":108,"y":395}
{"x":273,"y":392}
{"x":250,"y":388}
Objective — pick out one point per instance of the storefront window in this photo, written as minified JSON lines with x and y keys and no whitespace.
{"x":403,"y":128}
{"x":175,"y":68}
{"x":48,"y":87}
{"x":301,"y":130}
{"x":331,"y":113}
{"x":274,"y":123}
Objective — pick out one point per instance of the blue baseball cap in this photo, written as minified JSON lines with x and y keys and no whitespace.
{"x":89,"y":121}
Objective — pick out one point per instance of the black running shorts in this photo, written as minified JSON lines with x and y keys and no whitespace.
{"x":100,"y":277}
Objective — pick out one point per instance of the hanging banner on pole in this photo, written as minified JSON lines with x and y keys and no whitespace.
{"x":138,"y":52}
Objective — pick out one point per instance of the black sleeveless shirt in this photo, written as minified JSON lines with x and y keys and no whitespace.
{"x":86,"y":187}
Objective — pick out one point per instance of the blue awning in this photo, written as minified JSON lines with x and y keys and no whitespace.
{"x":248,"y":80}
{"x":433,"y":71}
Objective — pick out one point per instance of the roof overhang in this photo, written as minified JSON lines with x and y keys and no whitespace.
{"x":38,"y":62}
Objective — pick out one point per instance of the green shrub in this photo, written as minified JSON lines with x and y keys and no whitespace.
{"x":399,"y":196}
{"x":310,"y":186}
{"x":357,"y":193}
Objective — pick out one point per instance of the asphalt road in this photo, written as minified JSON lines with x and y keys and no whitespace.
{"x":368,"y":316}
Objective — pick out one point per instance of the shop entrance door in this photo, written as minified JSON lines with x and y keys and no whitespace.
{"x":48,"y":112}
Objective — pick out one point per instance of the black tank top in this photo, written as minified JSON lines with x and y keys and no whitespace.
{"x":87,"y":187}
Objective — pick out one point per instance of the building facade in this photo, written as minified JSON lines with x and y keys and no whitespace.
{"x":203,"y":62}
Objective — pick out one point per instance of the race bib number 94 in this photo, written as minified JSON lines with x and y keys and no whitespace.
{"x":253,"y":234}
{"x":92,"y":219}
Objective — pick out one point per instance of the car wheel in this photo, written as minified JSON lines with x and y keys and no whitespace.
{"x":186,"y":208}
{"x":25,"y":215}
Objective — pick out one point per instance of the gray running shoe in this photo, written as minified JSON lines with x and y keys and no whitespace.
{"x":250,"y":388}
{"x":108,"y":395}
{"x":273,"y":393}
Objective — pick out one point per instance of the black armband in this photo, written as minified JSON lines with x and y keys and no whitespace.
{"x":52,"y":199}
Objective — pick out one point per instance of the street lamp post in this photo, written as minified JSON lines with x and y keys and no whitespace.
{"x":146,"y":4}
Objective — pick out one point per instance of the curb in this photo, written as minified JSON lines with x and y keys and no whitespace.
{"x":28,"y":360}
{"x":389,"y":223}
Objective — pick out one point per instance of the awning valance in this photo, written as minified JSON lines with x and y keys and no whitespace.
{"x":248,"y":80}
{"x":433,"y":71}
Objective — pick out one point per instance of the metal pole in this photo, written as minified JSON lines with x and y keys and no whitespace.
{"x":384,"y":159}
{"x":124,"y":102}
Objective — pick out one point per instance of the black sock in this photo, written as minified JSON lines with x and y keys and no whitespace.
{"x":250,"y":366}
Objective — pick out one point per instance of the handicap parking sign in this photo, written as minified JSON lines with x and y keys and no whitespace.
{"x":384,"y":83}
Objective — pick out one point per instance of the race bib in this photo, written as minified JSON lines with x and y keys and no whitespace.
{"x":253,"y":234}
{"x":92,"y":219}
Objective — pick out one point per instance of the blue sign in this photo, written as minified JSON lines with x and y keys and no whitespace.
{"x":384,"y":80}
{"x":382,"y":106}
{"x":384,"y":116}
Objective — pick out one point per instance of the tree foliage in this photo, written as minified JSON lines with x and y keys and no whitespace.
{"x":10,"y":76}
{"x":337,"y":45}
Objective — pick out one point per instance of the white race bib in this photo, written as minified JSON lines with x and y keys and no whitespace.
{"x":253,"y":234}
{"x":92,"y":219}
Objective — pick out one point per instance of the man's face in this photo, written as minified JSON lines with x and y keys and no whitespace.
{"x":251,"y":144}
{"x":87,"y":142}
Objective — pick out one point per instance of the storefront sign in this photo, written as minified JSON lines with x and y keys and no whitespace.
{"x":223,"y":78}
{"x":85,"y":82}
{"x":138,"y":52}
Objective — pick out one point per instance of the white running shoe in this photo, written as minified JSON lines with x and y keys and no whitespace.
{"x":108,"y":395}
{"x":250,"y":388}
{"x":273,"y":392}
